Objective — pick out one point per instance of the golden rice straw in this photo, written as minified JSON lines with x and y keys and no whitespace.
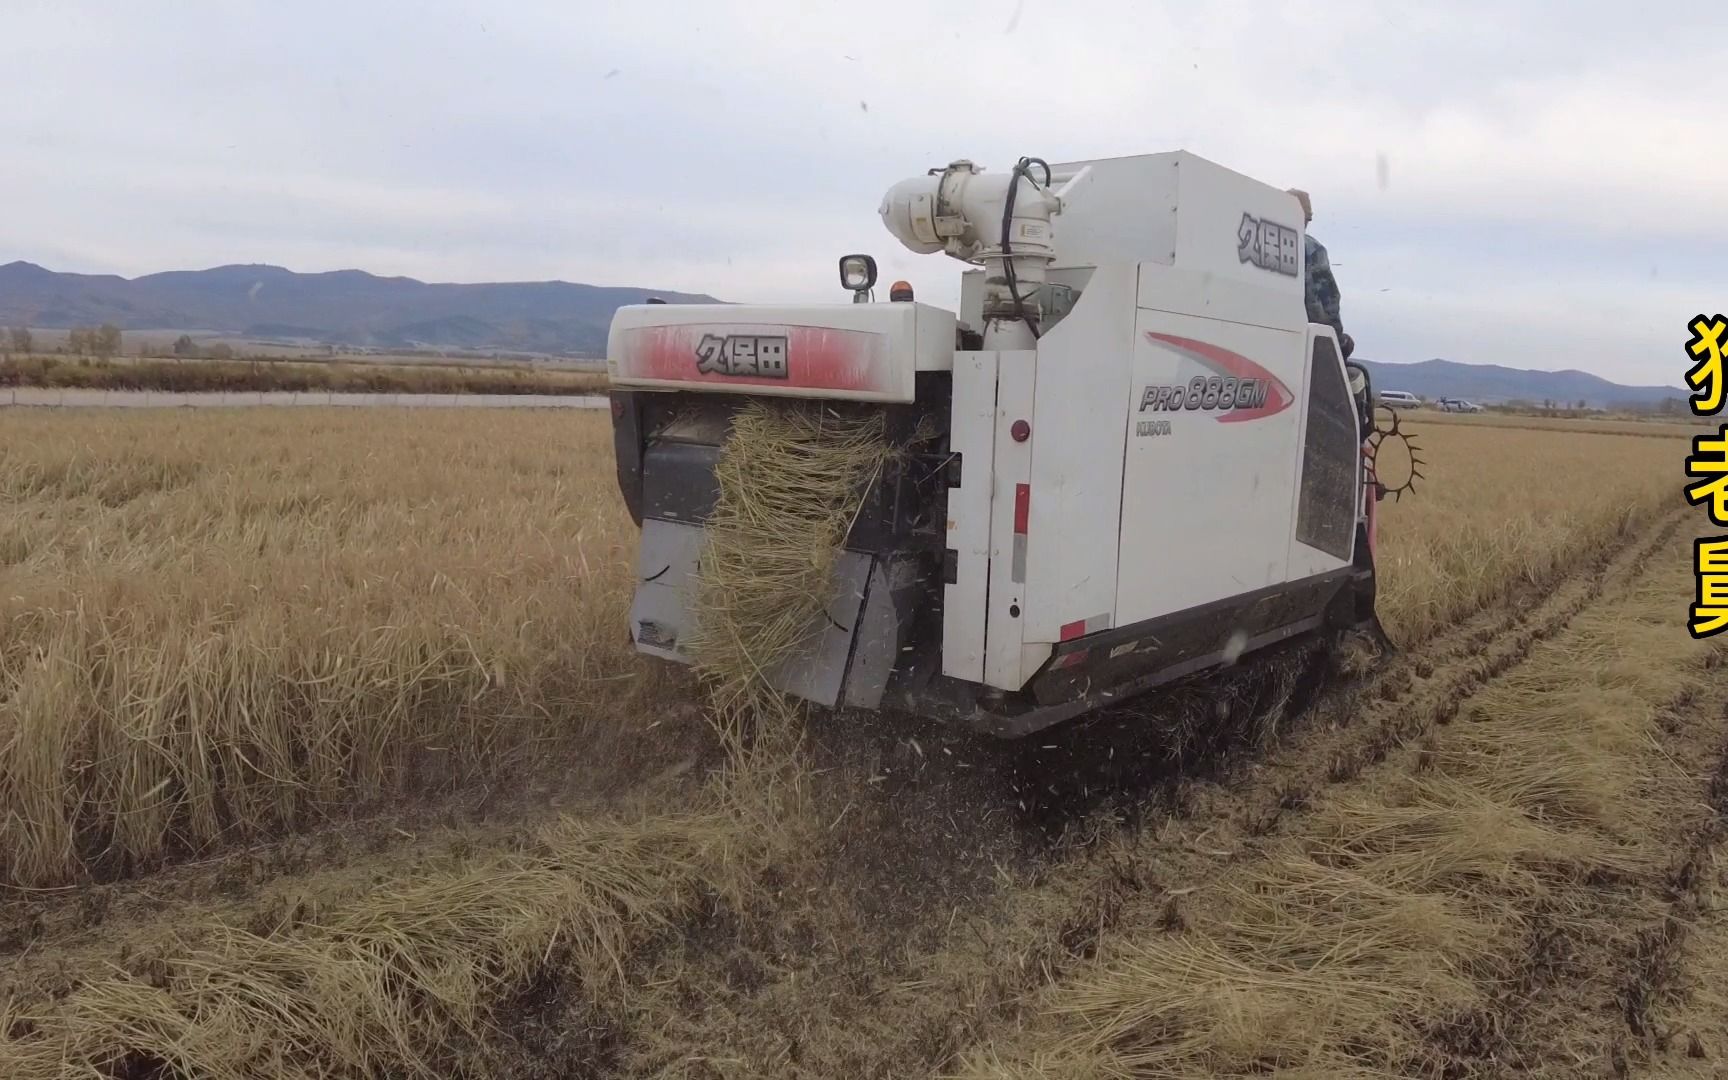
{"x":792,"y":478}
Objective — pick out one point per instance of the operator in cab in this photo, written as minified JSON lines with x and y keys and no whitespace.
{"x":1322,"y":300}
{"x":1322,"y":294}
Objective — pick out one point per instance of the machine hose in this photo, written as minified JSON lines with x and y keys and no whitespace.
{"x":1021,"y":168}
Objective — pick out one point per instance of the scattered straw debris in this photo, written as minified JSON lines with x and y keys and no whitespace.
{"x":792,"y":478}
{"x":398,"y":983}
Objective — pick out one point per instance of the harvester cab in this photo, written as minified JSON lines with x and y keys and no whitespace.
{"x":1127,"y":458}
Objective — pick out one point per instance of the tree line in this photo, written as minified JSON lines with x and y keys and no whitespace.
{"x":101,"y":342}
{"x":104,"y":343}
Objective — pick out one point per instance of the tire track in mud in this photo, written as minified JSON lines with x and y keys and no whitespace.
{"x":1673,"y":1002}
{"x":1644,"y":1023}
{"x":1411,"y":689}
{"x":1631,"y":709}
{"x":1593,"y":984}
{"x":48,"y":935}
{"x":1429,"y":686}
{"x":53,"y":928}
{"x":924,"y":979}
{"x":1349,"y":729}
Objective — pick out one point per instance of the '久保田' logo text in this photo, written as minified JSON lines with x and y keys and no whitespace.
{"x":742,"y":354}
{"x":1267,"y":244}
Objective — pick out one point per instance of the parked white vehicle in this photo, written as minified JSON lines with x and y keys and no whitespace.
{"x":1400,"y":399}
{"x":1458,"y":405}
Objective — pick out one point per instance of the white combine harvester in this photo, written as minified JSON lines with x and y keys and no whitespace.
{"x":1150,"y":463}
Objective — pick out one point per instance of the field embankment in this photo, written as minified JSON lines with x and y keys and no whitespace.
{"x":254,"y":376}
{"x":1655,"y":427}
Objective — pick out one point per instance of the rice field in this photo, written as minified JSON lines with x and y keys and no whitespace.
{"x":323,"y":753}
{"x":1500,"y":507}
{"x":220,"y":630}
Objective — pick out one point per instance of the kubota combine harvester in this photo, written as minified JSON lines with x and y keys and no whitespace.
{"x":1130,"y":457}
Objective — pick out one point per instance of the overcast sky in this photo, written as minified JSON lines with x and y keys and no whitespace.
{"x":1555,"y":181}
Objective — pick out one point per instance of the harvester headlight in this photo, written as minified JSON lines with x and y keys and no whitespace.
{"x":857,"y":272}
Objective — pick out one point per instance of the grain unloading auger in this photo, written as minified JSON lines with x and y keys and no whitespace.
{"x":1128,"y":458}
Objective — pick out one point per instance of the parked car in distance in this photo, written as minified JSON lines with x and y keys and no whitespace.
{"x":1400,"y":399}
{"x":1452,"y":404}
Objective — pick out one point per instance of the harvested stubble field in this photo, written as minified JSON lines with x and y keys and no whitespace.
{"x":322,"y":753}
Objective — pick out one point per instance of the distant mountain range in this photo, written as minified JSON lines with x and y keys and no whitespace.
{"x":354,"y":308}
{"x":343,"y":307}
{"x":1488,"y":384}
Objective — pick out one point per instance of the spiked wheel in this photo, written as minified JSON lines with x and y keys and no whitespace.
{"x":1392,"y":428}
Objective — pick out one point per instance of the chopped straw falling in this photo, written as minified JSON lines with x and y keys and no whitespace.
{"x":791,"y":480}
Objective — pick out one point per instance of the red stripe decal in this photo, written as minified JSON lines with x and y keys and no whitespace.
{"x":1225,"y":362}
{"x":1022,"y":507}
{"x":817,"y":357}
{"x":1072,"y":630}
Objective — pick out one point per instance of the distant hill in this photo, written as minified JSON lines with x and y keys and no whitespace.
{"x":352,"y":307}
{"x":342,"y":307}
{"x":1492,"y":384}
